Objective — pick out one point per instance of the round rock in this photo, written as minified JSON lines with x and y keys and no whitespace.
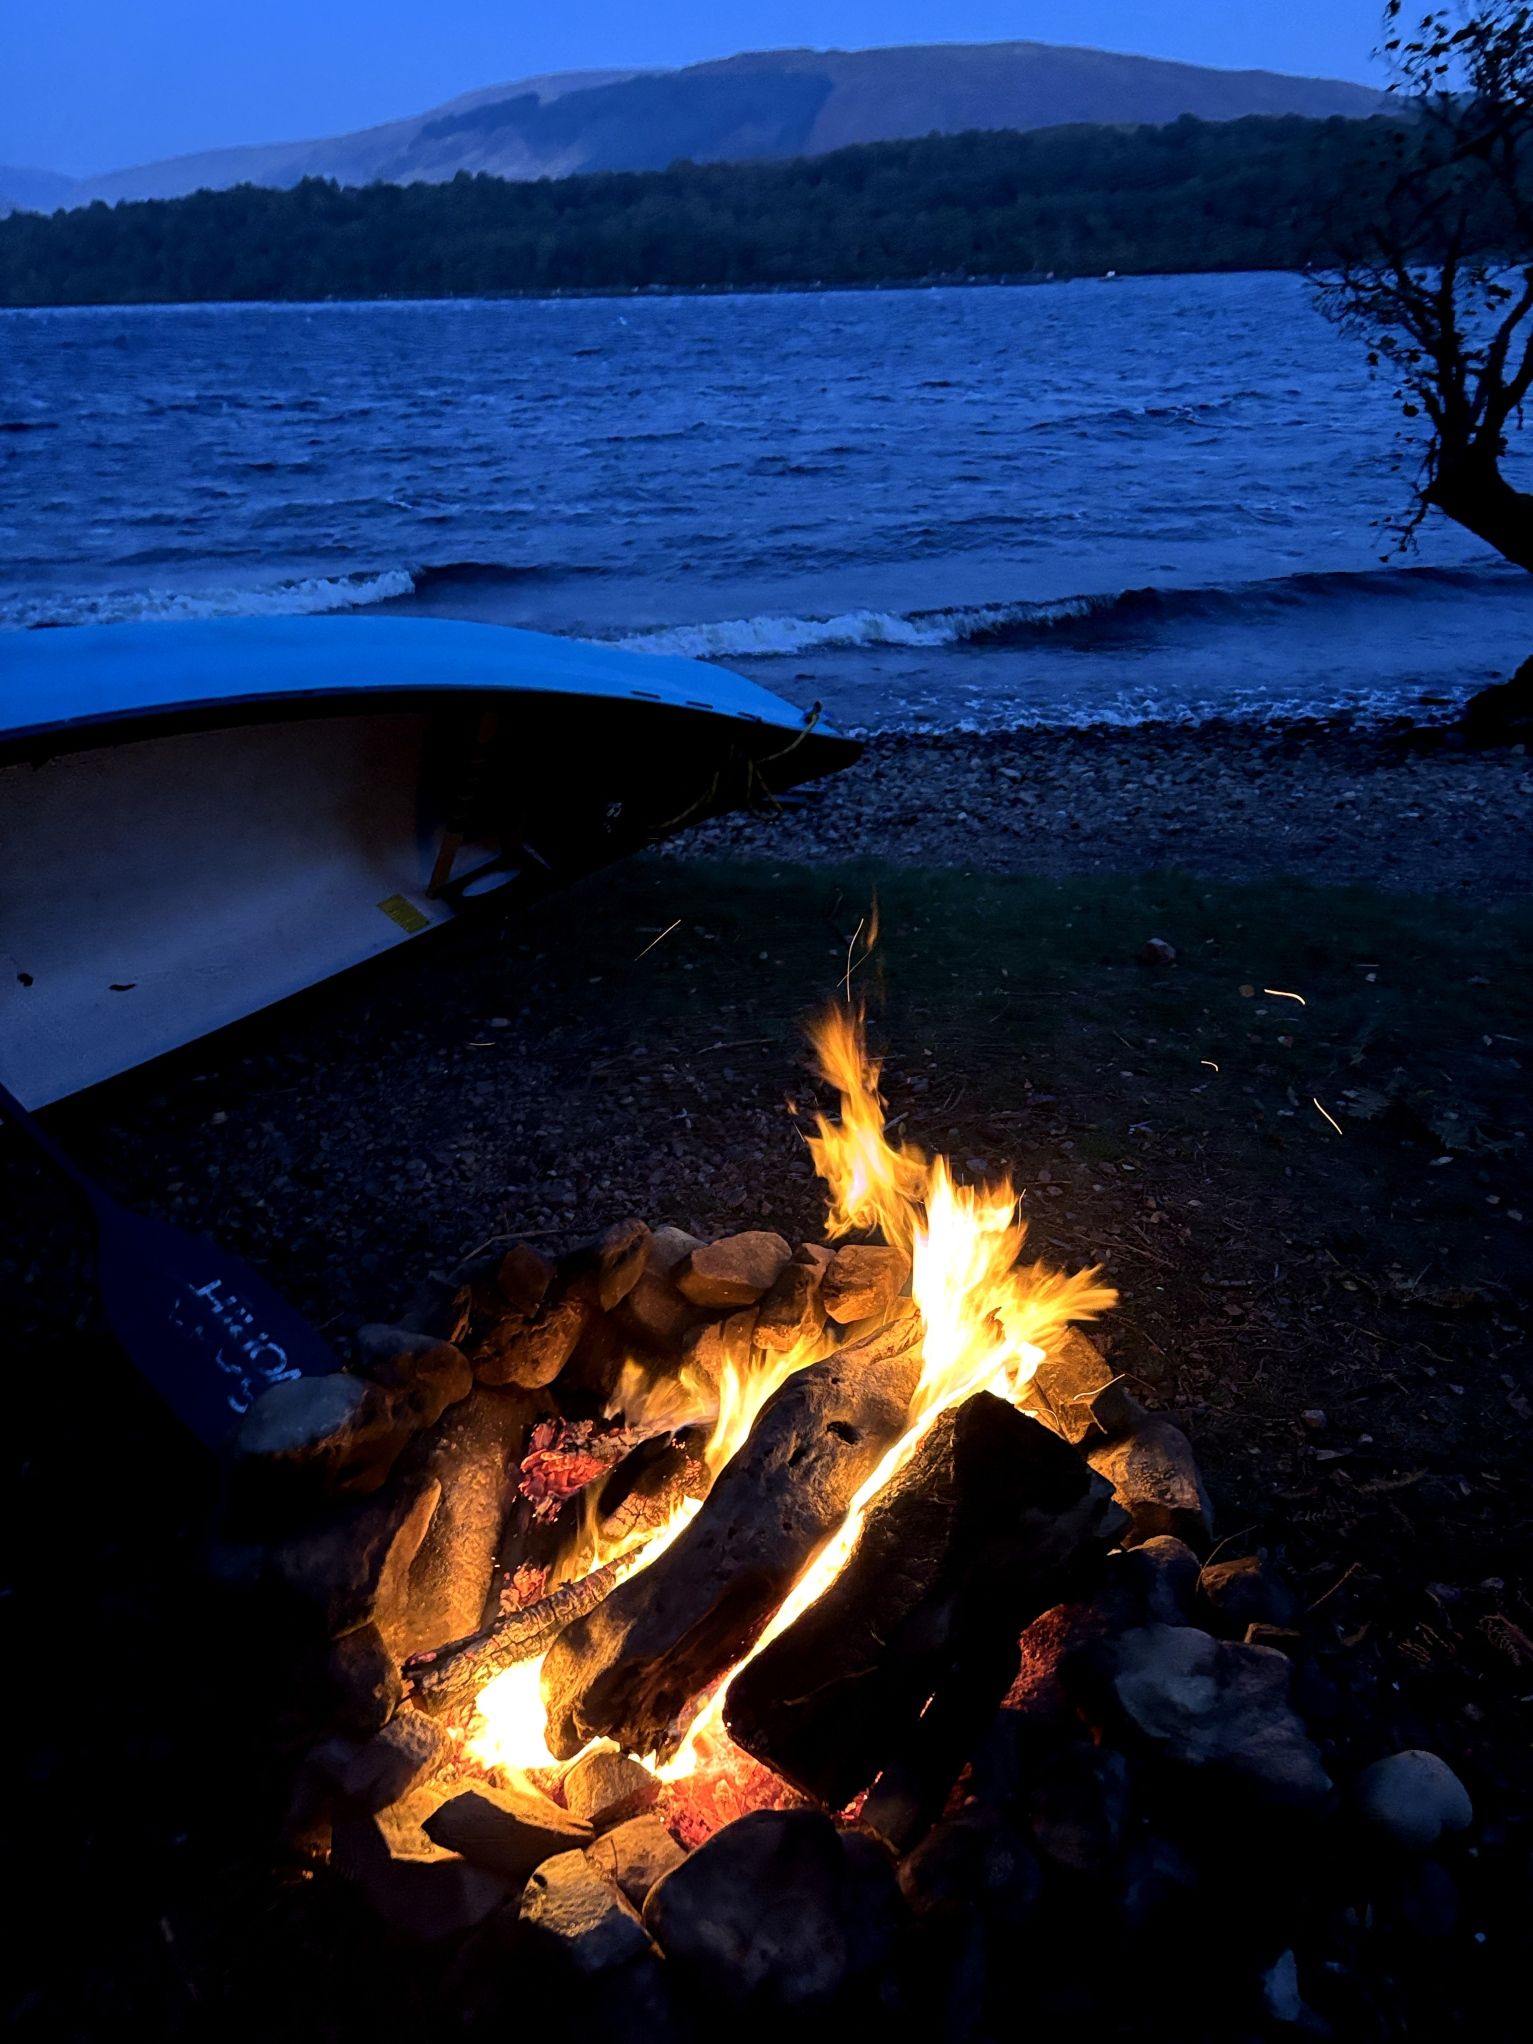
{"x":734,"y":1272}
{"x":1414,"y":1798}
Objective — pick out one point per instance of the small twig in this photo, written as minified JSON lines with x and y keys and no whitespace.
{"x":656,"y":940}
{"x":1239,"y":1534}
{"x":1350,"y":1570}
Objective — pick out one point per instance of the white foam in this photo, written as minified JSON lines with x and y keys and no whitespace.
{"x":741,"y":637}
{"x":309,"y":596}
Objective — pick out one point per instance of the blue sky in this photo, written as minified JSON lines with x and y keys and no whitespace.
{"x":91,"y":85}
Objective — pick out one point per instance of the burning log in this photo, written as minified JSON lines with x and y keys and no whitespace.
{"x":644,"y":1493}
{"x":967,"y":1542}
{"x":444,"y":1677}
{"x":630,"y":1669}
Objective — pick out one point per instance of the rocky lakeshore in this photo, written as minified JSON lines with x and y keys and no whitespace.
{"x":1313,"y":1206}
{"x":1225,"y":801}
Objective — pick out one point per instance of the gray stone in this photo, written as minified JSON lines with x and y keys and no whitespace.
{"x":655,"y":1317}
{"x":363,"y":1679}
{"x":353,"y":1566}
{"x":1217,"y":1709}
{"x":1161,"y":1575}
{"x":634,"y":2004}
{"x":387,"y":1766}
{"x":594,"y":1368}
{"x":1244,"y":1592}
{"x":756,"y":1914}
{"x":606,"y":1787}
{"x":569,"y":1903}
{"x":425,"y":1375}
{"x":1155,"y":1479}
{"x":1115,"y":1410}
{"x":1040,"y":1703}
{"x":872,"y":1907}
{"x":721,"y":1346}
{"x":862,"y":1281}
{"x":611,"y":1265}
{"x":1280,"y":1990}
{"x":416,"y":1887}
{"x":531,"y":1351}
{"x":734,"y":1272}
{"x":1159,"y":1881}
{"x":1066,"y":1381}
{"x":1077,"y":1808}
{"x":973,"y":1863}
{"x":1413,"y":1798}
{"x":636,"y":1855}
{"x":314,"y":1437}
{"x":791,"y":1315}
{"x":668,"y":1246}
{"x":523,"y":1277}
{"x":509,"y":1827}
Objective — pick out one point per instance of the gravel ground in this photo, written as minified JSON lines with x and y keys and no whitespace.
{"x":1224,"y":802}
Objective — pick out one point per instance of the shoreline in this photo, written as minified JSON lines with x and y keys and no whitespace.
{"x":809,"y":287}
{"x":1322,"y":803}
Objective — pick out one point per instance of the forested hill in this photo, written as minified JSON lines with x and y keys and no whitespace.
{"x":1258,"y":193}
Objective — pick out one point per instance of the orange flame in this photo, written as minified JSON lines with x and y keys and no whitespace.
{"x":987,"y":1324}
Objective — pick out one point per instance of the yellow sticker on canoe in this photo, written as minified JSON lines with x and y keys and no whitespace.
{"x":404,"y":912}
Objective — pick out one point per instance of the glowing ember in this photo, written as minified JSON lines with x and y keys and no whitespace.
{"x":987,"y":1323}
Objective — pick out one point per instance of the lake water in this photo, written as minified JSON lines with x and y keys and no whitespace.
{"x":1061,"y":504}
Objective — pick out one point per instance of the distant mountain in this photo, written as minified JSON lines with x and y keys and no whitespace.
{"x":776,"y":103}
{"x":33,"y":191}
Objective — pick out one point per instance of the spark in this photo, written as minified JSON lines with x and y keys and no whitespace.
{"x":655,"y":940}
{"x":1335,"y":1124}
{"x":1209,"y":1062}
{"x":1278,"y":994}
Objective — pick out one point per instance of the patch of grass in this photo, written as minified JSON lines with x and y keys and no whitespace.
{"x":1305,"y":1202}
{"x":1408,"y":1029}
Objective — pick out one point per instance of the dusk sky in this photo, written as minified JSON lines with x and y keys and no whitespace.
{"x":94,"y":85}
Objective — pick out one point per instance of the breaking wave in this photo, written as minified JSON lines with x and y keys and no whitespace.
{"x":305,"y":596}
{"x":298,"y":596}
{"x":996,"y":624}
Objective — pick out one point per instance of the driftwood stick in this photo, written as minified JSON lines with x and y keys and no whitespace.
{"x":446,"y":1676}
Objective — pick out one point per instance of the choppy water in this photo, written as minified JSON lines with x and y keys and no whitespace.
{"x":1071,"y":503}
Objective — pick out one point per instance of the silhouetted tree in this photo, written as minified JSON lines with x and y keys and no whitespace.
{"x":1437,"y":274}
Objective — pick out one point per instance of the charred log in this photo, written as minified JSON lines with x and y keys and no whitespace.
{"x":965,"y":1545}
{"x":631,"y":1669}
{"x":645,"y":1492}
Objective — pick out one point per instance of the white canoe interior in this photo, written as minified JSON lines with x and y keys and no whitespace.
{"x":163,"y":887}
{"x":172,"y":863}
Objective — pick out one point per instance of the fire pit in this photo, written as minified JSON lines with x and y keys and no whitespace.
{"x":776,"y":1626}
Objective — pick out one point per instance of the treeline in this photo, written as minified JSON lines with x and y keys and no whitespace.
{"x":1260,"y":193}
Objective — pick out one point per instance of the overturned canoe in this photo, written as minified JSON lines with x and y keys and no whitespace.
{"x":198,"y":819}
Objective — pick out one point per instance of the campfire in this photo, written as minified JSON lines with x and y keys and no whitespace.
{"x":670,"y":1585}
{"x":884,"y":1365}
